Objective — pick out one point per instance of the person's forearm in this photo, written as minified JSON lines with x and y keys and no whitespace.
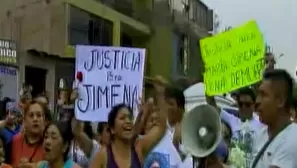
{"x":85,"y":143}
{"x":142,"y":118}
{"x":139,"y":125}
{"x":212,"y":101}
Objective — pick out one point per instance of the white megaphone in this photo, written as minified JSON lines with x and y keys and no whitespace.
{"x":201,"y":130}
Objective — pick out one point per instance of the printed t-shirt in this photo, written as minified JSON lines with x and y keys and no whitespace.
{"x":281,"y":152}
{"x":244,"y":132}
{"x":21,"y":150}
{"x":79,"y":157}
{"x":164,"y":154}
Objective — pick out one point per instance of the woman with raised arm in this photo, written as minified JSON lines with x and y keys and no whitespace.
{"x":124,"y":151}
{"x":164,"y":154}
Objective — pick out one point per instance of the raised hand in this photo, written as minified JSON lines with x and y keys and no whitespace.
{"x":74,"y":95}
{"x":77,"y":126}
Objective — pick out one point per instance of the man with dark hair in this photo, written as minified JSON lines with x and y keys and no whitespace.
{"x":246,"y":102}
{"x":175,"y":100}
{"x":245,"y":126}
{"x":276,"y":144}
{"x":246,"y":106}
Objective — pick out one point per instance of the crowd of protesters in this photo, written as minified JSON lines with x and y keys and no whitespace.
{"x":31,"y":135}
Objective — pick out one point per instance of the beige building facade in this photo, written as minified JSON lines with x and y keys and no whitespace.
{"x":44,"y":30}
{"x":39,"y":29}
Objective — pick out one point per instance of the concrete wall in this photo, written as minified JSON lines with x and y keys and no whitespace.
{"x":160,"y":51}
{"x":178,"y":4}
{"x":37,"y":26}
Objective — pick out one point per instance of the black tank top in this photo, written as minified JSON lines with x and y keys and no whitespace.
{"x":111,"y":163}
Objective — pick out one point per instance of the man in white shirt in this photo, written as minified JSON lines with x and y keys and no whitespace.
{"x":246,"y":103}
{"x":273,"y":102}
{"x":247,"y":124}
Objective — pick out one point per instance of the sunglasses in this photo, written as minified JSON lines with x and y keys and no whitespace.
{"x":245,"y":104}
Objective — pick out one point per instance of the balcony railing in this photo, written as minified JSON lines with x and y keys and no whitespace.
{"x":195,"y":18}
{"x":202,"y":15}
{"x":125,"y":7}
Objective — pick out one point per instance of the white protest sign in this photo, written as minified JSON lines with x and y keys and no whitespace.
{"x":111,"y":75}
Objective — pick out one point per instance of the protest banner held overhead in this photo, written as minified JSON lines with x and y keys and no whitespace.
{"x":233,"y":59}
{"x":111,"y":75}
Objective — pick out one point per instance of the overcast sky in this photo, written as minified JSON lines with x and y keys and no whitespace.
{"x":276,"y":18}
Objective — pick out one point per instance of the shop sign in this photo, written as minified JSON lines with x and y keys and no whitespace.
{"x":8,"y":53}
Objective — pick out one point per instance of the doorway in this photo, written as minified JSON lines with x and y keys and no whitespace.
{"x":36,"y":77}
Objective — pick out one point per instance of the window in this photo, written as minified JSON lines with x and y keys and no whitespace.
{"x":184,"y":54}
{"x":88,"y":29}
{"x":126,"y":40}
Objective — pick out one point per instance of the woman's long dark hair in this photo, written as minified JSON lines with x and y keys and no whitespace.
{"x":65,"y":130}
{"x":114,"y":113}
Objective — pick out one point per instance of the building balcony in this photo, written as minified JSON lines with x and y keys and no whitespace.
{"x":201,"y":15}
{"x":125,"y":7}
{"x":196,"y":19}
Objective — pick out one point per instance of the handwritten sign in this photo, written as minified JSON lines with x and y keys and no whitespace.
{"x":111,"y":75}
{"x":233,"y":59}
